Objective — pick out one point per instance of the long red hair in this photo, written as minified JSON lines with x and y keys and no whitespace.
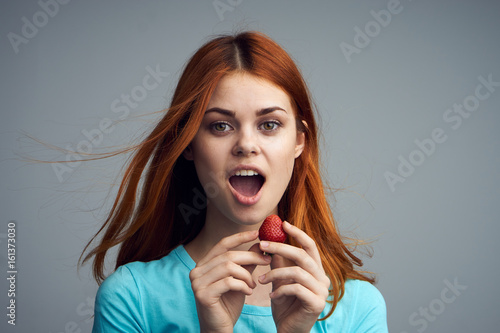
{"x":146,"y":218}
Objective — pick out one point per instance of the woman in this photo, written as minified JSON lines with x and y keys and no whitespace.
{"x":238,"y":143}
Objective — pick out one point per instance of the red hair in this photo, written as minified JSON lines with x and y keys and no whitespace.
{"x":146,"y":220}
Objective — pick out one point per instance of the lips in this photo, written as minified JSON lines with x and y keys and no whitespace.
{"x":246,"y":184}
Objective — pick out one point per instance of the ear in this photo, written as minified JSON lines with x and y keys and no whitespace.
{"x":301,"y":141}
{"x":188,"y":153}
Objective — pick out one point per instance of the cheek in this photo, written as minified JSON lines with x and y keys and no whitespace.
{"x":209,"y":163}
{"x":209,"y":177}
{"x":283,"y":156}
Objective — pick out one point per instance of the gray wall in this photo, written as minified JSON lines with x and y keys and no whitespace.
{"x":409,"y":131}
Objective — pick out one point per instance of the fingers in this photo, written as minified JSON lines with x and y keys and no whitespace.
{"x":237,"y":264}
{"x":209,"y":295}
{"x":307,"y":243}
{"x":223,"y":270}
{"x":295,"y":274}
{"x":222,"y":253}
{"x":229,"y":243}
{"x":305,"y":277}
{"x":306,"y":257}
{"x":262,"y":259}
{"x":242,"y":258}
{"x":311,"y":302}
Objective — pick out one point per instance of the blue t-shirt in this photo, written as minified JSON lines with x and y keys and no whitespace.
{"x":156,"y":296}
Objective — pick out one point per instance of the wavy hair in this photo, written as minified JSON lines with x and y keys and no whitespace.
{"x":147,"y":219}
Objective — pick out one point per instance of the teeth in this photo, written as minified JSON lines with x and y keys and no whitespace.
{"x":246,"y":173}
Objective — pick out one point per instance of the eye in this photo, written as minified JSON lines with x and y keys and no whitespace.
{"x":270,"y":125}
{"x":220,"y":127}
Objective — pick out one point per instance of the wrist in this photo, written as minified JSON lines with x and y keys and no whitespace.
{"x":225,"y":329}
{"x":221,"y":330}
{"x":300,"y":328}
{"x":294,"y":330}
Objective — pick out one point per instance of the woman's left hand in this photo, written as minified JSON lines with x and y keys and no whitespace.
{"x":300,"y":285}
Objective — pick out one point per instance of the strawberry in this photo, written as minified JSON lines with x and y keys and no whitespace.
{"x":272,"y":229}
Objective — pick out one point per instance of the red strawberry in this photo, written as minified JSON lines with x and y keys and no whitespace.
{"x":272,"y":229}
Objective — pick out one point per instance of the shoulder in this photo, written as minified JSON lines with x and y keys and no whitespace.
{"x":130,"y":278}
{"x":117,"y":303}
{"x":125,"y":297}
{"x":361,"y":309}
{"x":367,"y":306}
{"x":364,"y":292}
{"x":121,"y":282}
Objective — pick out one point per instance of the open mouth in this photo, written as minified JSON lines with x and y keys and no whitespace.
{"x":247,"y":182}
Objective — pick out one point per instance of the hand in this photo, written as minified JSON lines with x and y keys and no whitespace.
{"x":221,"y":280}
{"x":300,"y":285}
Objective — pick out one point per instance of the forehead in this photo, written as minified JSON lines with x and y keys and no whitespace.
{"x":242,"y":90}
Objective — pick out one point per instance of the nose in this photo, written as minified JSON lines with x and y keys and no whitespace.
{"x":246,"y":143}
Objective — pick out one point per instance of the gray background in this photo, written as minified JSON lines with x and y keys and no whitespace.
{"x":438,"y":227}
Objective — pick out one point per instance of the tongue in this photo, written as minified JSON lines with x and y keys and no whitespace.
{"x":247,"y":185}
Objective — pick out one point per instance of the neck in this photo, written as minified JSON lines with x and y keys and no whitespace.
{"x":217,"y":227}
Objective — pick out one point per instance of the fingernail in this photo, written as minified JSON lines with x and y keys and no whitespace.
{"x":264,"y":243}
{"x":262,"y":278}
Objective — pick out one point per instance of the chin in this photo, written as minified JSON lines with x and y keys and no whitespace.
{"x":254,"y":215}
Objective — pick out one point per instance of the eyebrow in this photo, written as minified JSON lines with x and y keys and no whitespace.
{"x":260,"y":112}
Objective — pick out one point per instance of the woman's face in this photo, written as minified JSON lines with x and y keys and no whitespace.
{"x":245,"y":148}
